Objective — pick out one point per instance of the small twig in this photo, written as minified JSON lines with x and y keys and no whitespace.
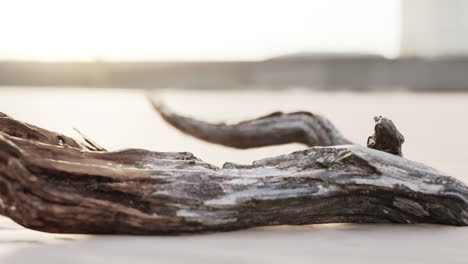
{"x":93,"y":146}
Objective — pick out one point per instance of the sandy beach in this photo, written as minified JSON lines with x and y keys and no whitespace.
{"x":434,"y":125}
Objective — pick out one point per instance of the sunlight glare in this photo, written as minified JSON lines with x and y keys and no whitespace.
{"x":194,"y":30}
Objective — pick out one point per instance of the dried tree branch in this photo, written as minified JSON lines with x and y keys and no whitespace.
{"x":274,"y":129}
{"x":278,"y":128}
{"x":65,"y":189}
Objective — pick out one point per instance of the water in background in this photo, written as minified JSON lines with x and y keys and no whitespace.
{"x":435,"y":125}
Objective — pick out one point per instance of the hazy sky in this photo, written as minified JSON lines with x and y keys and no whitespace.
{"x":194,"y":30}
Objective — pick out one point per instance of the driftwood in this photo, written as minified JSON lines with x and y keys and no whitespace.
{"x":273,"y":129}
{"x":279,"y":128}
{"x":53,"y":183}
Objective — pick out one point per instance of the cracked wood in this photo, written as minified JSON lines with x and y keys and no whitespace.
{"x":52,"y":185}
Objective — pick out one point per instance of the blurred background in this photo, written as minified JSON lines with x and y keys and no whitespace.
{"x":91,"y":64}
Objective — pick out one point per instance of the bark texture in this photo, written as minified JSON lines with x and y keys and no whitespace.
{"x":59,"y":186}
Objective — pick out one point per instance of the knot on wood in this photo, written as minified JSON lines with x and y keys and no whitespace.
{"x":386,"y":137}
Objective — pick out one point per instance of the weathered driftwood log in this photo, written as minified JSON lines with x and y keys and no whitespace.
{"x":53,"y":184}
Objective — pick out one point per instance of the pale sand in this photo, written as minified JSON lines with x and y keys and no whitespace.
{"x":435,"y":127}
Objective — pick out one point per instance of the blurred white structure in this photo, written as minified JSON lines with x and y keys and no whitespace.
{"x":431,"y":28}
